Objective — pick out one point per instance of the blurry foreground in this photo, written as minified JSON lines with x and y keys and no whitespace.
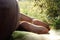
{"x":21,"y":35}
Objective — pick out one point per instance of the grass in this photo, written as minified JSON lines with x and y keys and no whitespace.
{"x":27,"y":8}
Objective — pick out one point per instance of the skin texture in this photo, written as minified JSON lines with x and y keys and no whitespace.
{"x":32,"y":21}
{"x":39,"y":23}
{"x":8,"y":18}
{"x":25,"y":18}
{"x":33,"y":28}
{"x":32,"y":25}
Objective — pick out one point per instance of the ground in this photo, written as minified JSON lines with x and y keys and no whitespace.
{"x":22,"y":35}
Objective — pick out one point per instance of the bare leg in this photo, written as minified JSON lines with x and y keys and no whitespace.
{"x":33,"y":21}
{"x":34,"y":28}
{"x":25,"y":18}
{"x":39,"y":23}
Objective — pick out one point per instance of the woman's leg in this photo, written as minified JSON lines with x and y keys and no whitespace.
{"x":33,"y":21}
{"x":39,"y":23}
{"x":32,"y":28}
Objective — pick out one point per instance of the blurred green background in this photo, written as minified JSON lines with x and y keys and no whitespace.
{"x":47,"y":11}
